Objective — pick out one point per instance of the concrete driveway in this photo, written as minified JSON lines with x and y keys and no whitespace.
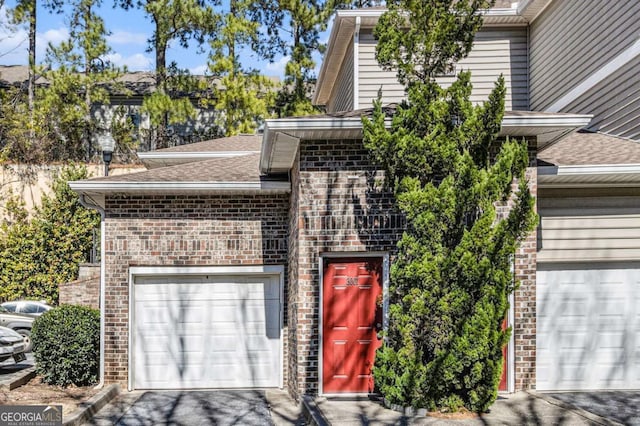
{"x":619,"y":406}
{"x":243,"y":407}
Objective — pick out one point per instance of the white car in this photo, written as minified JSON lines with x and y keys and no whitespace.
{"x":11,"y":345}
{"x":31,"y":307}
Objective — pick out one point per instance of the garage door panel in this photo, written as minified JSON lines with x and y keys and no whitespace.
{"x":207,"y":332}
{"x":587,"y":327}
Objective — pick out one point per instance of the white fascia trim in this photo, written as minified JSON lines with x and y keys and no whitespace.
{"x":500,"y":12}
{"x":531,"y":9}
{"x":206,"y":270}
{"x":545,"y":120}
{"x":614,"y":65}
{"x":195,"y":155}
{"x":589,"y":170}
{"x":362,"y":13}
{"x":88,"y":186}
{"x":355,"y":123}
{"x":376,"y":13}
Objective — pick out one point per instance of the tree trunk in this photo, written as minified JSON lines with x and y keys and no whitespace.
{"x":32,"y":55}
{"x":88,"y":64}
{"x":161,"y":85}
{"x":31,"y":85}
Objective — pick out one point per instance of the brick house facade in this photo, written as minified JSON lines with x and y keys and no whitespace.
{"x":182,"y":230}
{"x":335,"y":205}
{"x":283,"y":205}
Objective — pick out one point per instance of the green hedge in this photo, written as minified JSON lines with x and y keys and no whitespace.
{"x":66,"y":345}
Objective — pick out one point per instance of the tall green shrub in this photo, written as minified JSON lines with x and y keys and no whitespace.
{"x":449,"y":172}
{"x":66,"y":345}
{"x":39,"y":253}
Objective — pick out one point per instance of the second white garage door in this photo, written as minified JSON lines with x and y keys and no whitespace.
{"x":588,"y":327}
{"x":206,"y":332}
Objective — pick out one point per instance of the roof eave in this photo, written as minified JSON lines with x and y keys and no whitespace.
{"x":282,"y":136}
{"x":531,"y":9}
{"x":589,"y":176}
{"x":98,"y":189}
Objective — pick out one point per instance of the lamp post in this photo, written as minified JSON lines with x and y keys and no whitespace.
{"x":107,"y":144}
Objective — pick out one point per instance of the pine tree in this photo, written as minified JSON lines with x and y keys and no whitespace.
{"x":182,"y":21}
{"x":449,"y":173}
{"x":292,"y":28}
{"x":25,"y":12}
{"x":242,"y":97}
{"x":79,"y":78}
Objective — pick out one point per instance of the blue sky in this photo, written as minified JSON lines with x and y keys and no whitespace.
{"x":130,"y":31}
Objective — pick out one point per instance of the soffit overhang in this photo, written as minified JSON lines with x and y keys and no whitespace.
{"x":589,"y":176}
{"x":282,"y":137}
{"x":99,"y":190}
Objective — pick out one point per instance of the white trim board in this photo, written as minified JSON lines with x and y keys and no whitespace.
{"x":612,"y":66}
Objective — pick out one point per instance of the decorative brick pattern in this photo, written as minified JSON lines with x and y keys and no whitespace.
{"x":172,"y":230}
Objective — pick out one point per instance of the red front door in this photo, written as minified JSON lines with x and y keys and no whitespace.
{"x":351,"y":320}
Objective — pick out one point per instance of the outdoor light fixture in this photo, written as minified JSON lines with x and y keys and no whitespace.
{"x":107,"y":144}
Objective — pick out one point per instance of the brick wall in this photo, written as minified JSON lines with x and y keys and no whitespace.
{"x":84,"y":292}
{"x":292,"y":299}
{"x":338,"y":206}
{"x":182,"y":230}
{"x":524,"y":327}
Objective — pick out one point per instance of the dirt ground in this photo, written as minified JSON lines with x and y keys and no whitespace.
{"x":37,"y":393}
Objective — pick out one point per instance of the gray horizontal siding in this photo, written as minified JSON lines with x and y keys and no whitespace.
{"x":496,"y":51}
{"x":614,"y":103}
{"x":341,"y":98}
{"x":571,"y":40}
{"x":578,"y":229}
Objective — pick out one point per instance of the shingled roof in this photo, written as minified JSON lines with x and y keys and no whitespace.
{"x":234,"y":169}
{"x":590,"y":148}
{"x":249,"y":143}
{"x":232,"y":146}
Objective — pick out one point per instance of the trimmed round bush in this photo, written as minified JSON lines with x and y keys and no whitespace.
{"x":66,"y":345}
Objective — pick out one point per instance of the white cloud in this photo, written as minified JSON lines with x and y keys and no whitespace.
{"x":277,"y":67}
{"x":135,"y":62}
{"x":14,"y":44}
{"x":53,"y":36}
{"x":13,"y":47}
{"x":199,"y":70}
{"x":128,"y":38}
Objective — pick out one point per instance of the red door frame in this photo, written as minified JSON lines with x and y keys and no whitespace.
{"x":384,"y":256}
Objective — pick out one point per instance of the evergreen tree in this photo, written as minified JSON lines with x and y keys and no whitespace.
{"x":449,"y":173}
{"x":292,"y":28}
{"x":38,"y":254}
{"x":183,"y":21}
{"x":79,"y":78}
{"x":25,"y":12}
{"x":242,"y":97}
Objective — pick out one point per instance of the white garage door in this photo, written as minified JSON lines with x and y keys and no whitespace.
{"x":588,"y":327}
{"x":206,"y":332}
